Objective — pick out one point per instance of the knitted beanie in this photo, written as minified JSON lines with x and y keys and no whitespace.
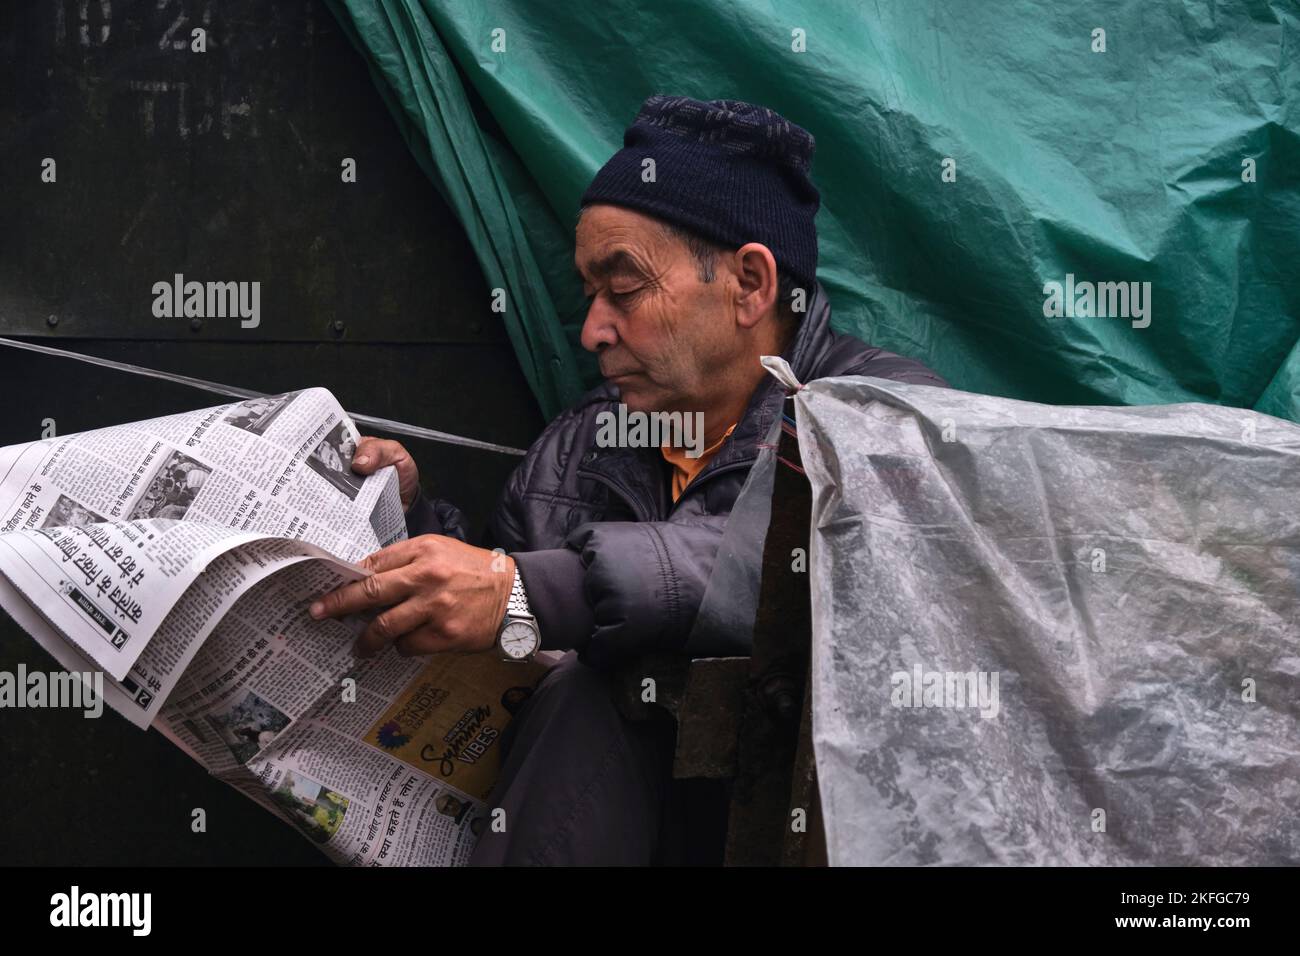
{"x":725,"y":170}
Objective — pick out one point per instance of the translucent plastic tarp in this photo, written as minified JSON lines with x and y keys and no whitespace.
{"x":1052,"y":635}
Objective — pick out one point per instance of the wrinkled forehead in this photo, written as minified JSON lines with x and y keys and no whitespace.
{"x":612,"y":241}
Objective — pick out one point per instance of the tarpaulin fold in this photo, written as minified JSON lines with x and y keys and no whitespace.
{"x":1165,"y":150}
{"x":420,"y":86}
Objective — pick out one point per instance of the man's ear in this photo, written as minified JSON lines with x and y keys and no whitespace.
{"x":756,"y":284}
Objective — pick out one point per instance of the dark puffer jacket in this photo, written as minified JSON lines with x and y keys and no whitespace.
{"x":611,"y":564}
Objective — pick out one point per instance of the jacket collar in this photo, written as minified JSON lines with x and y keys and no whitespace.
{"x":804,"y":354}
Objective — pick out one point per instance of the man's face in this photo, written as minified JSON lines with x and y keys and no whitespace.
{"x":660,"y":333}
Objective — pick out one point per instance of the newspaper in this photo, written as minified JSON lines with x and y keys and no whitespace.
{"x":179,"y":555}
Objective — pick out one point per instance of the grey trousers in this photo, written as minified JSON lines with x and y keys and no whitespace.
{"x":580,"y":784}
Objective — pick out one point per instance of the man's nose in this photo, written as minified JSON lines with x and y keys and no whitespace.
{"x":598,"y":329}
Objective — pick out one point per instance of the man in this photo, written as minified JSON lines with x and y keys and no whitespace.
{"x":697,"y":248}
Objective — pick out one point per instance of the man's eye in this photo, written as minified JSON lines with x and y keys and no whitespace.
{"x":619,"y":298}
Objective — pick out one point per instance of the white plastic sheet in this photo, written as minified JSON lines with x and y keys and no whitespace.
{"x":1052,"y":635}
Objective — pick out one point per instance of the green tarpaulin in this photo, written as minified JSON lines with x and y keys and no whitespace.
{"x":1163,"y":150}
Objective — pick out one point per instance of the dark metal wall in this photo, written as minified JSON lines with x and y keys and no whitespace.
{"x":222,"y":166}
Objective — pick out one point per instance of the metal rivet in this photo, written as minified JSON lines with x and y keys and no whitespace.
{"x":337,"y":327}
{"x":51,"y":320}
{"x":196,"y":324}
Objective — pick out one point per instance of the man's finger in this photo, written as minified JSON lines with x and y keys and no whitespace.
{"x":367,"y":449}
{"x":396,"y":555}
{"x":376,"y":590}
{"x":392,"y":624}
{"x":374,"y":453}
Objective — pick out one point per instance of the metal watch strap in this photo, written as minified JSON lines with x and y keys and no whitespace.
{"x":518,"y":604}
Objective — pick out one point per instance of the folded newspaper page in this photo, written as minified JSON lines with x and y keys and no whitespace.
{"x":179,"y":555}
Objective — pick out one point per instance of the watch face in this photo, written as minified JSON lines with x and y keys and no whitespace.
{"x":519,"y":639}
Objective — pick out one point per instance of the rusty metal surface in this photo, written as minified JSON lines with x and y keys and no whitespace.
{"x":773,"y":699}
{"x":708,"y":719}
{"x":805,"y":843}
{"x":705,"y":697}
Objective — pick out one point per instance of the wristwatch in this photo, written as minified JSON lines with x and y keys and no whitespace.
{"x":518,"y":639}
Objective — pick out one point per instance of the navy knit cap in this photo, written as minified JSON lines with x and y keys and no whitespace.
{"x":729,"y":171}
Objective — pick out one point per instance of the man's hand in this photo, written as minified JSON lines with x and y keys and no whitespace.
{"x":441,"y":595}
{"x":373,"y":453}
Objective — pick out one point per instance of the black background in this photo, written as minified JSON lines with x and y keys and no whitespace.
{"x":223,"y":166}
